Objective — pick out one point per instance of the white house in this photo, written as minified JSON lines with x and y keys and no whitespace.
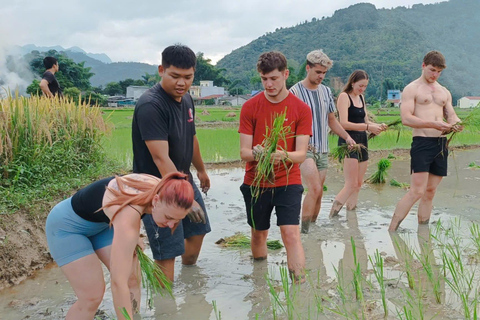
{"x":206,"y":88}
{"x":468,"y":102}
{"x":134,"y":92}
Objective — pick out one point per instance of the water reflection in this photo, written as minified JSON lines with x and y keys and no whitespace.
{"x":190,"y":296}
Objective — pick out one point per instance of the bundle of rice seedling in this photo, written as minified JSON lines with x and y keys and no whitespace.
{"x":153,"y":278}
{"x":239,"y":240}
{"x":472,"y":121}
{"x":341,"y":152}
{"x":395,"y":183}
{"x":395,"y":125}
{"x":265,"y":170}
{"x":380,"y":176}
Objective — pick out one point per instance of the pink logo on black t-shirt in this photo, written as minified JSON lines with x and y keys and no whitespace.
{"x":190,"y":114}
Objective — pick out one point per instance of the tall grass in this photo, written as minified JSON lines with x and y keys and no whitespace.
{"x":43,"y":140}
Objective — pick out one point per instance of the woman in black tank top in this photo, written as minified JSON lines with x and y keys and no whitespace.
{"x":354,"y":119}
{"x":80,"y":236}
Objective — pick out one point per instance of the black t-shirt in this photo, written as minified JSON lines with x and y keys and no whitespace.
{"x":53,"y":84}
{"x":89,"y":199}
{"x":158,"y":116}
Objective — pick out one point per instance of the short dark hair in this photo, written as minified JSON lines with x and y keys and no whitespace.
{"x":269,"y":61}
{"x":49,"y":62}
{"x":436,"y":59}
{"x":179,"y":56}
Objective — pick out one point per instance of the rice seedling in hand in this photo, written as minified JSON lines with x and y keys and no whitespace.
{"x":394,"y":125}
{"x":380,"y":176}
{"x":153,"y":278}
{"x":342,"y":151}
{"x":274,"y":137}
{"x":471,"y":122}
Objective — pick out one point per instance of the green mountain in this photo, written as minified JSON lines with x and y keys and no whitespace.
{"x":112,"y":72}
{"x":388,"y":43}
{"x":104,"y":69}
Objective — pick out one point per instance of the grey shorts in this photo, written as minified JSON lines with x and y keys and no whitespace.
{"x":321,"y":159}
{"x":166,"y":245}
{"x":71,"y":237}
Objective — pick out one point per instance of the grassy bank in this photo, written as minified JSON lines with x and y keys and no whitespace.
{"x":48,"y":147}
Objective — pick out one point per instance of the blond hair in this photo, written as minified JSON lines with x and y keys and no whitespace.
{"x":319,"y":57}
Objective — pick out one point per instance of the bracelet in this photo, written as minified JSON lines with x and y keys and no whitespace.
{"x":367,"y":127}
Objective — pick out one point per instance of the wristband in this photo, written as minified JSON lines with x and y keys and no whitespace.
{"x":367,"y":127}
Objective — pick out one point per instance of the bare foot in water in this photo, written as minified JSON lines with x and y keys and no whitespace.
{"x":336,"y":207}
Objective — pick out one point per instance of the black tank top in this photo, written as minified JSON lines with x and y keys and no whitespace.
{"x":356,"y":115}
{"x":89,"y":199}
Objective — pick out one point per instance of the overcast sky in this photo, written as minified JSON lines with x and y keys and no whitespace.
{"x":140,"y":30}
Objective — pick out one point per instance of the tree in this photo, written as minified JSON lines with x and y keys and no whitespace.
{"x":113,"y":88}
{"x":70,"y":74}
{"x":151,"y":79}
{"x":72,"y":93}
{"x":34,"y":88}
{"x":206,"y":71}
{"x":94,"y":98}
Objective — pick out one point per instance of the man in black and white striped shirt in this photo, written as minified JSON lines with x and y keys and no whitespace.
{"x":320,"y":99}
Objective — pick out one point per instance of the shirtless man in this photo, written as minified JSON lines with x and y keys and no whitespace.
{"x":425,"y":104}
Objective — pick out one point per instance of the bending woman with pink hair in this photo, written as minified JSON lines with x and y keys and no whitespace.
{"x":101,"y":224}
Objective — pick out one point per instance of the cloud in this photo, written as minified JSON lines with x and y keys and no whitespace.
{"x":15,"y":73}
{"x":139,"y":31}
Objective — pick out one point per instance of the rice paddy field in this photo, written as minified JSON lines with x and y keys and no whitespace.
{"x":356,"y":269}
{"x":219,"y":138}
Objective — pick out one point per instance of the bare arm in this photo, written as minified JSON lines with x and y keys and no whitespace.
{"x":246,"y":144}
{"x":197,"y":162}
{"x":338,"y":129}
{"x":449,"y":112}
{"x":44,"y":86}
{"x":125,"y":239}
{"x":159,"y":151}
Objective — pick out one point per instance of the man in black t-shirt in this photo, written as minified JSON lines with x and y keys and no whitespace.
{"x":164,"y":141}
{"x":49,"y":83}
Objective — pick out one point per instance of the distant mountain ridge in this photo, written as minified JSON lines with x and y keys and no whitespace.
{"x":101,"y":65}
{"x":388,"y":43}
{"x":97,"y":56}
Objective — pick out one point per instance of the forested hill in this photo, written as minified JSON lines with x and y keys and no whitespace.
{"x":388,"y":43}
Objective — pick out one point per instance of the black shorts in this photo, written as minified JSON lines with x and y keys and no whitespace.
{"x":286,"y":200}
{"x":360,"y":137}
{"x":429,"y":154}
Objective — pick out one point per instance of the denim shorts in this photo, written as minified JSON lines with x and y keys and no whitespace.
{"x":286,"y":200}
{"x":71,"y":237}
{"x":321,"y":159}
{"x":166,"y":245}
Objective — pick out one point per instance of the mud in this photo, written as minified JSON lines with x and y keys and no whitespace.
{"x":229,"y":278}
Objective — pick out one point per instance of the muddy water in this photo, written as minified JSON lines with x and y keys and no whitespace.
{"x":229,"y":278}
